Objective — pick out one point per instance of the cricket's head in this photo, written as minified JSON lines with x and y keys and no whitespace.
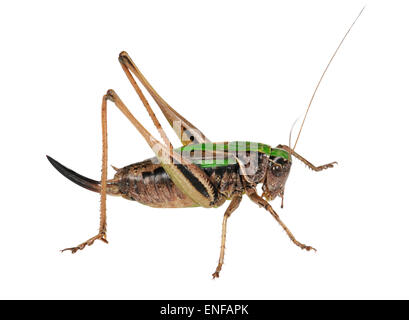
{"x":277,"y":173}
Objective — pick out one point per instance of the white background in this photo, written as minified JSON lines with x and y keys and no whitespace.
{"x":239,"y":70}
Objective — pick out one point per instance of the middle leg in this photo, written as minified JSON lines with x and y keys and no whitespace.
{"x":234,"y":204}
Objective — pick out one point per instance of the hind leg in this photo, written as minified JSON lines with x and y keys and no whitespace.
{"x":187,"y":180}
{"x":103,"y":216}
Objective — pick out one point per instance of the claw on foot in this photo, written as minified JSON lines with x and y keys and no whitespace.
{"x":329,"y":165}
{"x":308,"y":248}
{"x":215,"y":275}
{"x":323,"y":167}
{"x":89,"y":242}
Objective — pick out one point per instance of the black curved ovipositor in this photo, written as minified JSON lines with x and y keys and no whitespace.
{"x":82,"y":181}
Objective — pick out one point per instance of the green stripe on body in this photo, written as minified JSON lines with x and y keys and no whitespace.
{"x":279,"y":153}
{"x":235,"y":146}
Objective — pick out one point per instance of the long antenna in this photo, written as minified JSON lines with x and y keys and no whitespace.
{"x":291,"y":132}
{"x":323,"y":74}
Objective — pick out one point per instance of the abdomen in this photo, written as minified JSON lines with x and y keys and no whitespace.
{"x":149,"y":184}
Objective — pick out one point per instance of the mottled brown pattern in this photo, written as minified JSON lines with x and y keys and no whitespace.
{"x":227,"y":180}
{"x":275,"y":180}
{"x":253,"y":166}
{"x":149,"y":184}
